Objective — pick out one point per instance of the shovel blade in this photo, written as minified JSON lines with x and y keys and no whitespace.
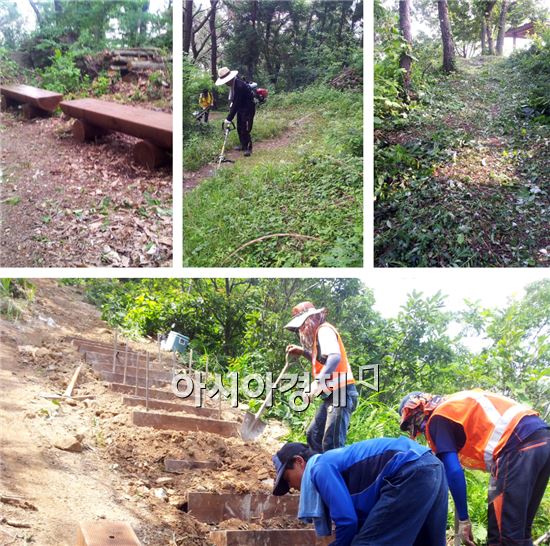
{"x":251,"y":427}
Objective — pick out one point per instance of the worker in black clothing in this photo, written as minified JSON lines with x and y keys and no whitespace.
{"x":241,"y":101}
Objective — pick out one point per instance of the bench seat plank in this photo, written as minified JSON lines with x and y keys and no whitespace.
{"x":155,"y":127}
{"x":41,"y":98}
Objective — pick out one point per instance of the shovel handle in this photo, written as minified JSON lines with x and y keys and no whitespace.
{"x":269,"y":397}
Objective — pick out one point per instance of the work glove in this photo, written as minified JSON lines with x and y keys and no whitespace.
{"x":226,"y":124}
{"x":315,"y":389}
{"x":465,"y":532}
{"x":295,"y":350}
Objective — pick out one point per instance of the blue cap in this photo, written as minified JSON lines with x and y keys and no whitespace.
{"x":281,"y":460}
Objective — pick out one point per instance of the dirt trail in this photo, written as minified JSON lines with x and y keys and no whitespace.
{"x":485,"y":164}
{"x":119,"y":472}
{"x":67,"y":204}
{"x":194,"y":178}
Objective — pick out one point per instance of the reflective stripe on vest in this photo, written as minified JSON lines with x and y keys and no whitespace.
{"x":343,"y":374}
{"x":481,"y":448}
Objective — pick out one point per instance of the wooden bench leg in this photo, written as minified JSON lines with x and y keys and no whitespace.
{"x":83,"y":131}
{"x":7,"y":103}
{"x":30,"y":111}
{"x":149,"y":155}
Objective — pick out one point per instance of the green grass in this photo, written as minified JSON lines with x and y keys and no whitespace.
{"x":461,"y":181}
{"x":15,"y":200}
{"x":311,"y":189}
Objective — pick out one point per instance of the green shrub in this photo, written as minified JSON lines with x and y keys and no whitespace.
{"x":62,"y":75}
{"x":535,"y":65}
{"x":9,"y":69}
{"x":100,"y":86}
{"x":15,"y":294}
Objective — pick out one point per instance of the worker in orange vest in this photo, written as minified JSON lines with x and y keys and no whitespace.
{"x":486,"y":431}
{"x":333,"y":379}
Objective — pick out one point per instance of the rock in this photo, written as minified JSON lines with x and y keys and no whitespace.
{"x":142,"y":490}
{"x":160,"y":493}
{"x":164,"y":479}
{"x":71,"y":402}
{"x":68,"y":443}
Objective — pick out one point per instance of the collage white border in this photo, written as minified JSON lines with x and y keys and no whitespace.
{"x":177,"y":271}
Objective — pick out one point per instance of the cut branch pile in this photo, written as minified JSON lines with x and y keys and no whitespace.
{"x":349,"y":78}
{"x":129,"y":63}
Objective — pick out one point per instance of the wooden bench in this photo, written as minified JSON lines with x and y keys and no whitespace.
{"x":97,"y":117}
{"x":35,"y":101}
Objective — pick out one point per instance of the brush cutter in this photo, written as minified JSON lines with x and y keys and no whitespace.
{"x":226,"y":128}
{"x":200,"y":115}
{"x":252,"y":426}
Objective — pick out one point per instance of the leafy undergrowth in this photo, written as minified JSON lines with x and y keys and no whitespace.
{"x":295,"y":203}
{"x":463,"y":179}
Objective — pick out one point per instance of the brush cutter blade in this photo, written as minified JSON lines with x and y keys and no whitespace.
{"x":251,"y":427}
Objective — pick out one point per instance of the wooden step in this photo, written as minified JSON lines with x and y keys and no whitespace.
{"x":106,"y":533}
{"x":217,"y":507}
{"x":185,"y":423}
{"x":268,"y":537}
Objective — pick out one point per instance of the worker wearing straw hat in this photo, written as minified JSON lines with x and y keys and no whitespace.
{"x":241,"y":99}
{"x":333,"y":381}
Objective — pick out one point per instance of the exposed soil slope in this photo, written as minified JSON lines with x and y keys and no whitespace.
{"x":119,"y":472}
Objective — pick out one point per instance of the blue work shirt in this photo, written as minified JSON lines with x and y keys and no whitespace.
{"x":349,"y":479}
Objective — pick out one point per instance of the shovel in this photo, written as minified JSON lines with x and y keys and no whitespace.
{"x":252,"y":426}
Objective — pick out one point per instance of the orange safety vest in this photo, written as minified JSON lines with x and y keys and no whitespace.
{"x":488,"y":420}
{"x":343,"y":374}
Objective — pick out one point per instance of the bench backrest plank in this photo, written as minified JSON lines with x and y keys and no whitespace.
{"x":139,"y":122}
{"x":41,"y":98}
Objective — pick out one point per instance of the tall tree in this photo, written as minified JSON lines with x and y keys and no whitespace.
{"x":449,"y":63}
{"x":36,"y":11}
{"x":487,"y":44}
{"x":501,"y":26}
{"x":187,"y":25}
{"x":405,"y":27}
{"x":213,"y":39}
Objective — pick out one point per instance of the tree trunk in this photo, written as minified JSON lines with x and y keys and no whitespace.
{"x":405,"y":27}
{"x":501,"y":26}
{"x":213,"y":40}
{"x":308,"y":28}
{"x":343,"y":14}
{"x":449,"y":63}
{"x":487,"y":9}
{"x":483,"y":38}
{"x":35,"y":9}
{"x":57,"y":7}
{"x":187,"y":25}
{"x":490,"y":43}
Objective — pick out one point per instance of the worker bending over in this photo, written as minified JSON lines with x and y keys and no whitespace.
{"x":485,"y":431}
{"x":383,"y":492}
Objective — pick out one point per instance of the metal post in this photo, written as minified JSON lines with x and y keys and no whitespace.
{"x":115,"y":350}
{"x":137,"y":362}
{"x":160,"y":357}
{"x":147,"y":382}
{"x":125,"y":364}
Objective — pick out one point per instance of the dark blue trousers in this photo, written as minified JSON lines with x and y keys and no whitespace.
{"x":517,"y":486}
{"x":412,"y":508}
{"x":329,"y":427}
